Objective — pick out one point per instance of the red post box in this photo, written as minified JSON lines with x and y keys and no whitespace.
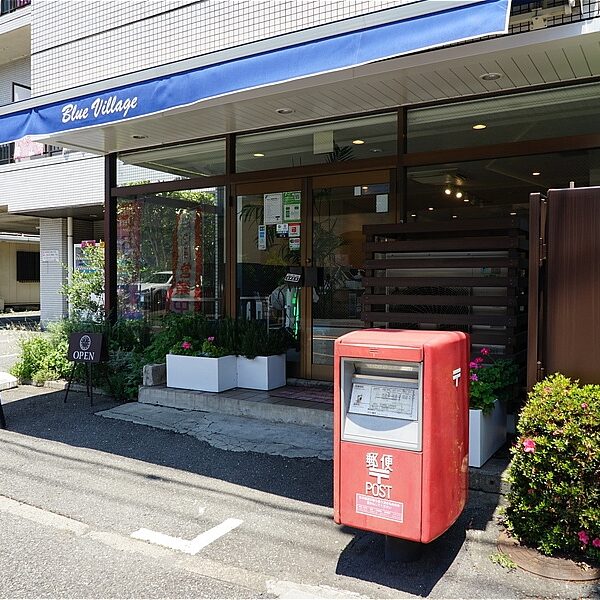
{"x":401,"y":427}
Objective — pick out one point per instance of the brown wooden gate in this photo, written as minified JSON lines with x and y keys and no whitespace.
{"x":564,"y":285}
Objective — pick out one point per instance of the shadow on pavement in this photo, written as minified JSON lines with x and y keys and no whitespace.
{"x":364,"y":557}
{"x":45,"y":416}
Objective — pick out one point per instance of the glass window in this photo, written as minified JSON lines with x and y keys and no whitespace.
{"x":203,"y":159}
{"x":366,"y":137}
{"x":494,"y":187}
{"x":170,"y":253}
{"x":534,"y":115}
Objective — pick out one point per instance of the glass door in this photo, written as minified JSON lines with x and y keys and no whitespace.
{"x":341,"y":205}
{"x":268,"y":247}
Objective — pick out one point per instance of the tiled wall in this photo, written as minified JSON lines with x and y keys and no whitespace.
{"x":17,"y":71}
{"x":74,"y":43}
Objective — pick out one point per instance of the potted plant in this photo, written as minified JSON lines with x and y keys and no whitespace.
{"x":491,"y":381}
{"x":262,"y":353}
{"x":204,"y":367}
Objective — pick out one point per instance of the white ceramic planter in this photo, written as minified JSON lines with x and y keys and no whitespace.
{"x":201,"y":373}
{"x":261,"y":373}
{"x":487,"y":433}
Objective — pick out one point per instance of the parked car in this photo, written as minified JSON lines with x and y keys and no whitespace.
{"x":153,"y":292}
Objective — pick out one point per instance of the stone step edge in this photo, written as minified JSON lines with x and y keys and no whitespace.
{"x":222,"y":403}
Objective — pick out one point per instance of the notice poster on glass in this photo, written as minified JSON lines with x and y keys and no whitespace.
{"x":390,"y":401}
{"x":291,"y":206}
{"x":273,"y":206}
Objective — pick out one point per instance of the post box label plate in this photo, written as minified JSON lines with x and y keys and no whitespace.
{"x":384,"y":401}
{"x":380,"y":508}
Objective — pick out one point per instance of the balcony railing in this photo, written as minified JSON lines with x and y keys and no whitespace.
{"x":7,"y":153}
{"x":8,"y":6}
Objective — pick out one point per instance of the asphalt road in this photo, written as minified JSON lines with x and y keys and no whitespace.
{"x":92,"y":507}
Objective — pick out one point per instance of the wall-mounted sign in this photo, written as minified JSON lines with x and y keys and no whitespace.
{"x":294,"y":230}
{"x":50,"y":256}
{"x":295,"y":243}
{"x":291,"y":206}
{"x":272,"y":214}
{"x":262,"y":237}
{"x":282,"y":230}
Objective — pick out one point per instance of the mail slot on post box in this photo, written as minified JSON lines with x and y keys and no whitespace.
{"x":401,"y":424}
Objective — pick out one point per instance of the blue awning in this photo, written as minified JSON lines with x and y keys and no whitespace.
{"x":439,"y":27}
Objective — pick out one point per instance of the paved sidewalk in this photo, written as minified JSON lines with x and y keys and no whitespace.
{"x":228,"y":432}
{"x":458,"y":565}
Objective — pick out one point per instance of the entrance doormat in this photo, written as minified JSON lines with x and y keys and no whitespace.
{"x":301,"y":392}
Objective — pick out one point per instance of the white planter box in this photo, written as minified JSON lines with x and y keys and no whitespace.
{"x":487,"y":433}
{"x":201,"y":373}
{"x":262,"y":372}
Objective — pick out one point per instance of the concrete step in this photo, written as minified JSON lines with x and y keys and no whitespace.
{"x":255,"y":404}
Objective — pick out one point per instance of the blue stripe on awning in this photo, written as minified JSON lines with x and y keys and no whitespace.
{"x":276,"y":66}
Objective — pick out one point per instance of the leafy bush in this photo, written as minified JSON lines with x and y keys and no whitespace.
{"x":554,"y":502}
{"x":43,"y":358}
{"x":490,"y":380}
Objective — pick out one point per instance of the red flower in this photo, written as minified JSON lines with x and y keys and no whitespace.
{"x":596,"y":543}
{"x":584,"y":538}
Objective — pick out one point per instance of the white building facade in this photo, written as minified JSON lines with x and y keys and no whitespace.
{"x":229,"y":142}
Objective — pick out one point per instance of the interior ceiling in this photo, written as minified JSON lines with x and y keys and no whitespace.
{"x":534,"y":59}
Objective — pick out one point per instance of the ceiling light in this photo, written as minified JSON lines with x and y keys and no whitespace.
{"x":284,"y":111}
{"x":139,"y":136}
{"x":479,"y":126}
{"x":465,"y":199}
{"x":459,"y":194}
{"x":536,"y":173}
{"x":375,"y":150}
{"x":447,"y":191}
{"x":365,"y":187}
{"x":413,"y":215}
{"x":358,"y":142}
{"x":490,"y":76}
{"x":430,"y":208}
{"x":258,"y":154}
{"x":512,"y":214}
{"x":454,"y":216}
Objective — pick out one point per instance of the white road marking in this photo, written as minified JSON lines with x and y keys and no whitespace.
{"x":188,"y":546}
{"x":44,"y":517}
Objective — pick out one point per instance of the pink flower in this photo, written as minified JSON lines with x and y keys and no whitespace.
{"x":474,"y":377}
{"x":211,"y":338}
{"x":596,"y":543}
{"x":485,"y":351}
{"x":473,"y":365}
{"x":584,"y":405}
{"x":584,"y":538}
{"x":479,"y":360}
{"x":529,"y":445}
{"x":186,"y":345}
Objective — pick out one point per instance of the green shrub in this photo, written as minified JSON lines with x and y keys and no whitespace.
{"x":255,"y":340}
{"x":554,"y":502}
{"x":43,"y":358}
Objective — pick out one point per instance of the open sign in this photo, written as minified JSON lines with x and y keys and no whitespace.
{"x":86,"y":348}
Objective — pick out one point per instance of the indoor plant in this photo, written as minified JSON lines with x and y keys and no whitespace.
{"x":205,"y":366}
{"x":490,"y":383}
{"x":262,"y":356}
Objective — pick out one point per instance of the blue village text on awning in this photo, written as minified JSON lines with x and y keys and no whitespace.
{"x":433,"y":29}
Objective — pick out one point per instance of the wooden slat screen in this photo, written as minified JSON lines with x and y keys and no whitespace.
{"x":469,"y":276}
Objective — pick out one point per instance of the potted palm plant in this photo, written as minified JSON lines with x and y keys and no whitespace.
{"x":491,"y":382}
{"x":204,"y":366}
